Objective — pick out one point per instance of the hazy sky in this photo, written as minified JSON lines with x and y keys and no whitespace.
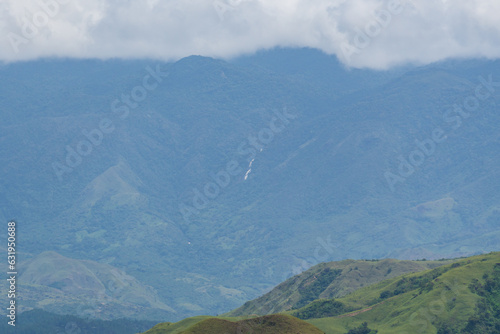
{"x":362,"y":33}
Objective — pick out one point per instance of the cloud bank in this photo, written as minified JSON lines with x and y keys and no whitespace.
{"x":362,"y":33}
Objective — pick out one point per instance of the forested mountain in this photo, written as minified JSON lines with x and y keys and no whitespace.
{"x":212,"y":181}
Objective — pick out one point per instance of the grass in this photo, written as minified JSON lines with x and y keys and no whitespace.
{"x":344,"y":277}
{"x":416,"y":310}
{"x":172,"y":328}
{"x":271,"y":324}
{"x":421,"y":302}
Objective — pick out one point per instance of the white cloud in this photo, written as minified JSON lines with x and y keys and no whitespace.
{"x":420,"y":31}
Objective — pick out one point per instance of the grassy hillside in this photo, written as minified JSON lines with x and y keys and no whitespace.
{"x":459,"y":296}
{"x":462,"y":297}
{"x":271,"y":324}
{"x":329,"y":280}
{"x":178,"y":327}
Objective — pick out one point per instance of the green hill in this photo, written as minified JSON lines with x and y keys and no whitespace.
{"x":271,"y":324}
{"x":462,"y":297}
{"x":329,"y":280}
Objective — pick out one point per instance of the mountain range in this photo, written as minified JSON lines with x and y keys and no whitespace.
{"x":212,"y":181}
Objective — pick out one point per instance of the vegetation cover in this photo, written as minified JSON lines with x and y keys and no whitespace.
{"x":461,"y":296}
{"x":329,"y":280}
{"x":271,"y":324}
{"x":316,"y":192}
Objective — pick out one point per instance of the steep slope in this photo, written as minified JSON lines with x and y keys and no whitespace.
{"x":319,"y":176}
{"x":329,"y":280}
{"x":461,"y":297}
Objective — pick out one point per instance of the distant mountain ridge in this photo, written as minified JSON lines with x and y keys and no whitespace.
{"x":86,"y":288}
{"x":321,"y":176}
